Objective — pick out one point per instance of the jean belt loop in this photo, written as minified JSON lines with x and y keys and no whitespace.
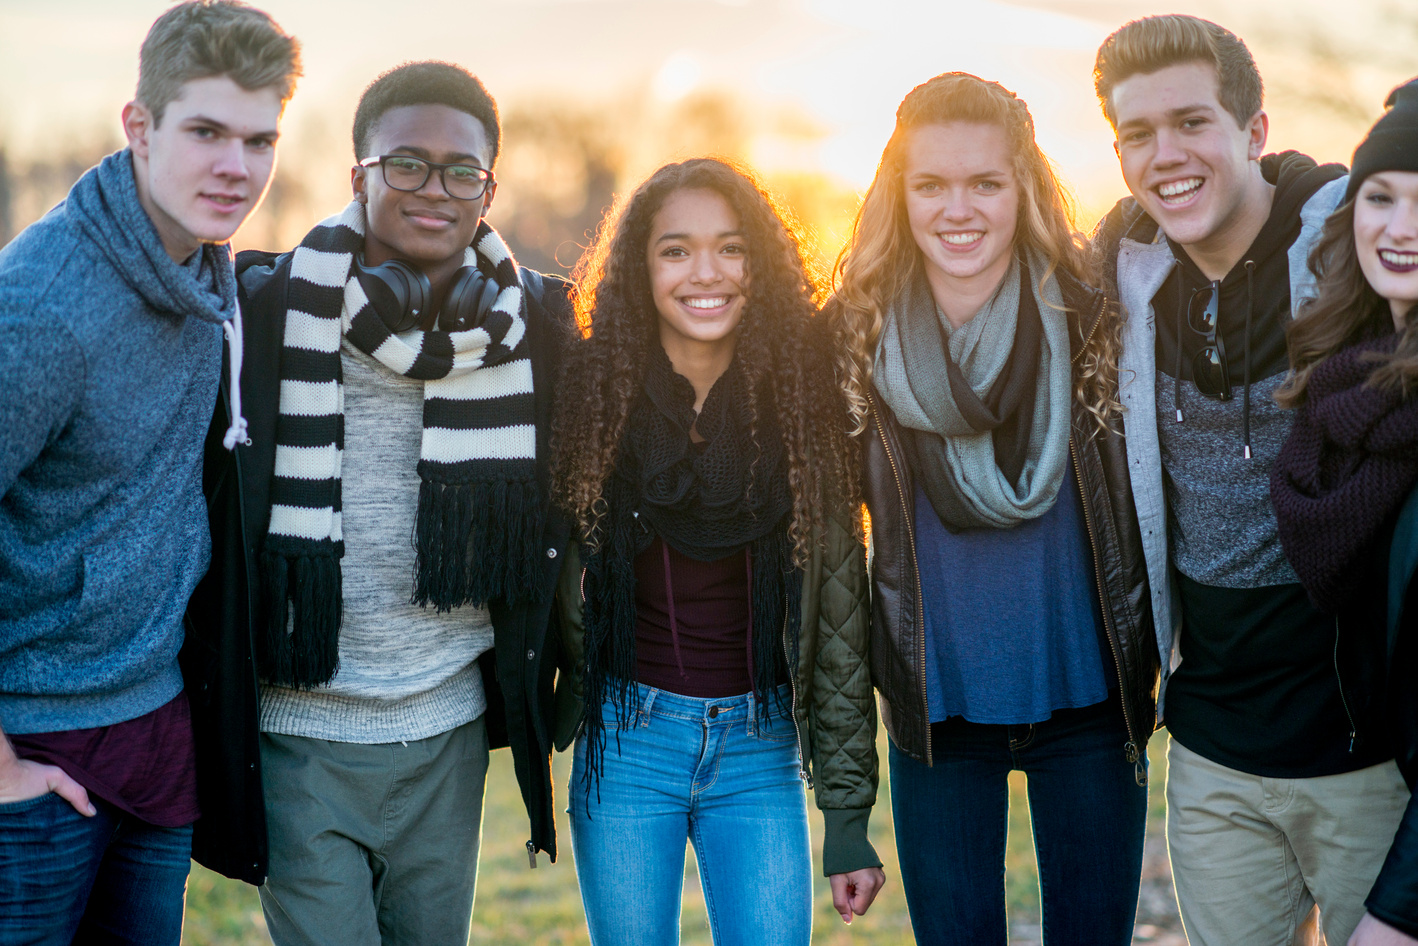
{"x":752,"y":726}
{"x":647,"y":705}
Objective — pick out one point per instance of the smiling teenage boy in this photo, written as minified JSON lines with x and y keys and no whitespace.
{"x":112,"y":315}
{"x":397,"y":384}
{"x":1281,"y":792}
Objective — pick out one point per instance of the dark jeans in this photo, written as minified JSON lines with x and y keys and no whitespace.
{"x":109,"y":879}
{"x":1089,"y":817}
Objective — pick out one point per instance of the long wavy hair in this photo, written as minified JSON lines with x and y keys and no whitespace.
{"x":882,"y":257}
{"x":1346,"y":310}
{"x":786,"y":357}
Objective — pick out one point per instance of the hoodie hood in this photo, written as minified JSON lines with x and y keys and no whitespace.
{"x":104,"y":203}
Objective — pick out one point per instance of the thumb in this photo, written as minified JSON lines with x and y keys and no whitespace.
{"x":841,"y":896}
{"x":71,"y":791}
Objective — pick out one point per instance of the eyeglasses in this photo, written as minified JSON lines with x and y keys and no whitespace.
{"x":1210,"y":372}
{"x":404,"y":172}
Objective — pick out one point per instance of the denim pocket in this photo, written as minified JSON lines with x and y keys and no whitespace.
{"x":28,"y":804}
{"x":776,"y":729}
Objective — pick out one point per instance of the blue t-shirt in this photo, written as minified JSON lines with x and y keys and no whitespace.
{"x":1012,"y":624}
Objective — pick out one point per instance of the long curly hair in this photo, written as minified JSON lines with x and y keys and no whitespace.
{"x":882,"y":258}
{"x":1344,"y":312}
{"x":785,"y":355}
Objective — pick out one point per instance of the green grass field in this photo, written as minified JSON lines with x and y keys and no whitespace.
{"x":542,"y":906}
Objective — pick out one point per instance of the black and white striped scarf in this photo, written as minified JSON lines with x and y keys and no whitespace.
{"x":478,"y":510}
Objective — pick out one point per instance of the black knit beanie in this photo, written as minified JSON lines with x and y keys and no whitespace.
{"x":1392,"y":144}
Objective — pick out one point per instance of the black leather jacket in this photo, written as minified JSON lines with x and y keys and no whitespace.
{"x":223,"y":615}
{"x":1100,"y":465}
{"x":1394,"y":896}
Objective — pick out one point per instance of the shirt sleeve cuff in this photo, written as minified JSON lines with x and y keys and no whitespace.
{"x":845,"y":845}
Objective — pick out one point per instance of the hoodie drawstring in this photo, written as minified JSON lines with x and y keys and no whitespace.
{"x":1246,"y":360}
{"x":235,"y":344}
{"x":670,"y":598}
{"x":1182,"y":316}
{"x":674,"y":624}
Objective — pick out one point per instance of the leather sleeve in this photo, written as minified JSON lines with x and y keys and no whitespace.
{"x":1394,"y":897}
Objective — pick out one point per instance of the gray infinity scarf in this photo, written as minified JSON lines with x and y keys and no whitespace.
{"x":955,"y":442}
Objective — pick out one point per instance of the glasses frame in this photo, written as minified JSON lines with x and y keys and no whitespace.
{"x":488,"y":180}
{"x":1212,"y":357}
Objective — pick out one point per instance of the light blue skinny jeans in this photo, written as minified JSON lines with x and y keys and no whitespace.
{"x":706,"y":770}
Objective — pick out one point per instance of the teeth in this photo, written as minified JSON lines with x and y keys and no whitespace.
{"x":712,"y":303}
{"x":1179,"y":189}
{"x":963,"y":239}
{"x":1399,"y":259}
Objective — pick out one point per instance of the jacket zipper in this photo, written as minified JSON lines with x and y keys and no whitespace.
{"x":916,"y":568}
{"x":1097,"y":321}
{"x":793,"y":687}
{"x":1130,"y":748}
{"x":1339,"y":681}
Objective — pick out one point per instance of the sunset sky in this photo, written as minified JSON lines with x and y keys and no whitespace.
{"x":66,"y":67}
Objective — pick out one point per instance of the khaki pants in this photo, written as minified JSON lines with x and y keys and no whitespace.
{"x":1252,"y":856}
{"x":373,"y":844}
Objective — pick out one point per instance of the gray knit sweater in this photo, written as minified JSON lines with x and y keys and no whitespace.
{"x":405,"y":672}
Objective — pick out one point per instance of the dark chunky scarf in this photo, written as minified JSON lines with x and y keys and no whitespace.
{"x":478,"y":507}
{"x":1350,"y":462}
{"x":732,"y":495}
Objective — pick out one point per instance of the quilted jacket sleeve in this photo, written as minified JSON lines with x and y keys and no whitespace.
{"x":843,"y":712}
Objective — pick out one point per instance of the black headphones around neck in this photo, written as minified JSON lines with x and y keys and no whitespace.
{"x":402,"y":296}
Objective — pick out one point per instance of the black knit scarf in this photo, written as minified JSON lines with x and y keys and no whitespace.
{"x":1348,"y":465}
{"x":706,"y":504}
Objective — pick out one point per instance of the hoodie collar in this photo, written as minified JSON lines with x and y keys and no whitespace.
{"x":104,"y":203}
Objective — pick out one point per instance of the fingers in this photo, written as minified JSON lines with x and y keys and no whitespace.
{"x":853,"y":893}
{"x":71,"y":791}
{"x":866,"y":884}
{"x":842,"y":895}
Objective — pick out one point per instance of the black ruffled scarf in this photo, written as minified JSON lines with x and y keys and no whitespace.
{"x":707,"y":504}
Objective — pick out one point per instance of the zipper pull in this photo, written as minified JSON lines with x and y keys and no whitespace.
{"x":1139,"y":767}
{"x":1352,"y":736}
{"x":531,"y":855}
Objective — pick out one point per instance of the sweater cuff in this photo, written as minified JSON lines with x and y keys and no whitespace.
{"x":845,"y":846}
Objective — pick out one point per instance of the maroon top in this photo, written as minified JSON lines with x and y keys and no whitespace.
{"x":692,"y":640}
{"x":145,"y":766}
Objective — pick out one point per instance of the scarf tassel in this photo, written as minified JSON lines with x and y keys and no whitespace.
{"x":306,"y":655}
{"x":475,"y":542}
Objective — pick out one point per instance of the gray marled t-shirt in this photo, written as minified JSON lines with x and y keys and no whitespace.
{"x":1222,"y":526}
{"x":405,"y":672}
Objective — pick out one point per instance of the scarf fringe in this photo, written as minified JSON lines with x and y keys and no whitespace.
{"x":474,"y":542}
{"x":308,"y":655}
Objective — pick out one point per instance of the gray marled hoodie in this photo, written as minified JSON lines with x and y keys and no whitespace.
{"x":109,"y":361}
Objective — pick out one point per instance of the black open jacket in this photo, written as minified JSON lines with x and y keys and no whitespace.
{"x":1100,"y":468}
{"x":1394,"y":896}
{"x":218,"y":660}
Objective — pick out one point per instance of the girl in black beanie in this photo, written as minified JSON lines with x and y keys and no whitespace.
{"x":1344,"y":483}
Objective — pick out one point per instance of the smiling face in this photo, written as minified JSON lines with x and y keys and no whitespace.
{"x":1386,"y":237}
{"x":698,"y":266}
{"x":204,"y":168}
{"x":962,"y":202}
{"x":426,"y":227}
{"x":1189,"y":164}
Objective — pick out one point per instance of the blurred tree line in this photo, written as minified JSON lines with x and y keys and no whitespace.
{"x":563,"y":164}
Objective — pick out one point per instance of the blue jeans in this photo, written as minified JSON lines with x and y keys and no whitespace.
{"x":109,"y":879}
{"x":1089,"y":817}
{"x":706,"y":770}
